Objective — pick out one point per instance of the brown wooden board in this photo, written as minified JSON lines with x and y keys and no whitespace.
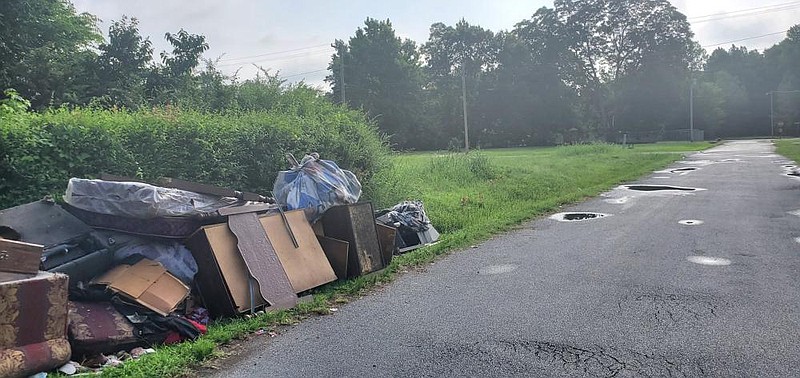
{"x":20,"y":257}
{"x":336,"y":252}
{"x":222,"y":276}
{"x":386,"y":237}
{"x":306,"y":266}
{"x":355,"y":224}
{"x":262,"y":260}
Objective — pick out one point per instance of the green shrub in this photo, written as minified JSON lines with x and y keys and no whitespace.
{"x":242,"y":150}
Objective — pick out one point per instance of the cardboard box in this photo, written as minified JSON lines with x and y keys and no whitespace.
{"x":223,"y":278}
{"x":148,"y":283}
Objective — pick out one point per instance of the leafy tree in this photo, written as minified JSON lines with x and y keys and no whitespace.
{"x":382,"y":75}
{"x":165,"y":82}
{"x":613,"y":39}
{"x":42,"y":44}
{"x":453,"y":51}
{"x":123,"y":64}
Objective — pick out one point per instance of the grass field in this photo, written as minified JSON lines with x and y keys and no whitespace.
{"x":468,"y":198}
{"x":789,"y":148}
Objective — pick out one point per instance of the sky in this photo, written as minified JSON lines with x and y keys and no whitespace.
{"x":294,"y":37}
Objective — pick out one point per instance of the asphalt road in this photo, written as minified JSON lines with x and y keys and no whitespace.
{"x":612,"y":296}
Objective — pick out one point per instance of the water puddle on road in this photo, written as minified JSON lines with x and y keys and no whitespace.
{"x":497,"y":269}
{"x":653,"y":188}
{"x":708,"y":260}
{"x":577,"y":216}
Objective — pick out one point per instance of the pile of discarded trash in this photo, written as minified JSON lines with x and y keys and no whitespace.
{"x":123,"y":265}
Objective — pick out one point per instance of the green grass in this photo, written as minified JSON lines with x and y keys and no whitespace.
{"x":469,"y":197}
{"x":789,"y":148}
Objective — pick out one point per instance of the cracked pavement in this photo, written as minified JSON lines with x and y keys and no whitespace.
{"x":610,"y":297}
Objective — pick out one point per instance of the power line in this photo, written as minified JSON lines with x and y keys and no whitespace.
{"x":282,"y":58}
{"x":302,"y":73}
{"x":274,"y":53}
{"x":745,"y":39}
{"x":745,"y":12}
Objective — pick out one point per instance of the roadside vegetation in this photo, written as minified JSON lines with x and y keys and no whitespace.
{"x":469,"y":198}
{"x":789,"y":148}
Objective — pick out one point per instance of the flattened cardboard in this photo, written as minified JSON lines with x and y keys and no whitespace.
{"x":20,"y":257}
{"x":148,"y":283}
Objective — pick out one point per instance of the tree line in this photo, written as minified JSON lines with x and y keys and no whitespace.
{"x":582,"y":70}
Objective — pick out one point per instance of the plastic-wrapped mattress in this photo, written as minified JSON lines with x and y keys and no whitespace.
{"x":140,"y":200}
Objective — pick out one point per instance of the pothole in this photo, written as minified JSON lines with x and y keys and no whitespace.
{"x":793,"y":174}
{"x":497,"y":269}
{"x":574,"y":217}
{"x":690,"y":222}
{"x":687,"y":169}
{"x":653,"y":188}
{"x":708,"y":260}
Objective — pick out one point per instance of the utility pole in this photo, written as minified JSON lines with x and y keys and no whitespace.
{"x":771,"y":115}
{"x":691,"y":111}
{"x":464,"y":105}
{"x":341,"y":74}
{"x":771,"y":95}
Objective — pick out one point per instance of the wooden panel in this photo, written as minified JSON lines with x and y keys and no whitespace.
{"x":223,"y":275}
{"x":19,"y":257}
{"x":262,"y":260}
{"x":386,"y":238}
{"x":336,"y":252}
{"x":306,"y":265}
{"x":355,"y":224}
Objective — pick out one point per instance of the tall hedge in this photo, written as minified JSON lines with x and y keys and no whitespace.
{"x":241,"y":150}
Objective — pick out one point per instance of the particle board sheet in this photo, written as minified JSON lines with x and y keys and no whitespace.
{"x":307,"y":266}
{"x":336,"y":251}
{"x":223,"y":278}
{"x":261,"y":259}
{"x":20,"y":257}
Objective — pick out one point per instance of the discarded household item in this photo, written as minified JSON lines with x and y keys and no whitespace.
{"x":414,"y":229}
{"x":20,"y":257}
{"x":176,"y":258}
{"x":226,"y":274}
{"x":169,"y":182}
{"x":70,"y":246}
{"x":162,"y":227}
{"x":147,"y":283}
{"x":98,"y":328}
{"x":355,"y":224}
{"x":140,"y":200}
{"x":315,"y":185}
{"x":336,"y":251}
{"x":387,"y":237}
{"x":33,"y":323}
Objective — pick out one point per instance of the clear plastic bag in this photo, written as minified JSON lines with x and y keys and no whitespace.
{"x":172,"y":255}
{"x":316,"y":185}
{"x":140,"y":200}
